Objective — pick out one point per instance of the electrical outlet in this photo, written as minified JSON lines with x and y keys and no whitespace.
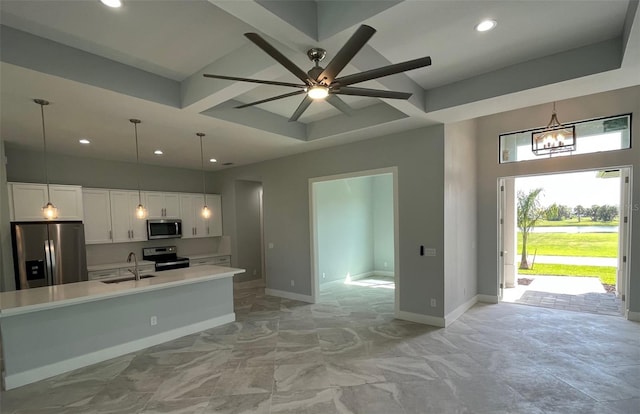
{"x":385,"y":264}
{"x":153,"y":321}
{"x":430,"y":252}
{"x":255,"y":272}
{"x":271,"y":245}
{"x":433,"y":302}
{"x":293,"y":283}
{"x":323,"y":275}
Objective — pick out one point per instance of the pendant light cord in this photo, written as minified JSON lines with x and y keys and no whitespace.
{"x":44,"y":142}
{"x":135,"y":128}
{"x":204,"y":196}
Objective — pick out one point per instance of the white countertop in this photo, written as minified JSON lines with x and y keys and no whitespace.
{"x":204,"y":256}
{"x":37,"y":299}
{"x":106,"y":266}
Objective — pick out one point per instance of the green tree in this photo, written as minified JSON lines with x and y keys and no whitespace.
{"x":529,"y":212}
{"x":579,"y":211}
{"x":552,"y":213}
{"x":607,"y":212}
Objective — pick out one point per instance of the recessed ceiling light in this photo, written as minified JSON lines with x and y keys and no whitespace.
{"x":112,"y":3}
{"x":213,"y":160}
{"x":84,"y":141}
{"x":158,"y":152}
{"x":486,"y":25}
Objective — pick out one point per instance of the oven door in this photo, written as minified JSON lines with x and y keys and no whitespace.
{"x":179,"y":264}
{"x":164,"y":229}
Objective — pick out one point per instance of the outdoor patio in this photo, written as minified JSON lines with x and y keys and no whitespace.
{"x":582,"y":294}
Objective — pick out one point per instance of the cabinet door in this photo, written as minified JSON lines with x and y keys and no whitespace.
{"x":121,"y":213}
{"x":188,"y":217}
{"x":172,"y":205}
{"x":68,"y":201}
{"x":28,"y":200}
{"x":154,"y":202}
{"x":97,"y":216}
{"x":201,"y":223}
{"x":214,"y":225}
{"x":138,"y":226}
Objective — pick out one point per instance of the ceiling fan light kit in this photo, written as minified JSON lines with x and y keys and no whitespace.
{"x":323,"y":83}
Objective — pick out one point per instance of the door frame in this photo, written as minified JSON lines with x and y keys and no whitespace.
{"x":624,"y":229}
{"x":313,"y":224}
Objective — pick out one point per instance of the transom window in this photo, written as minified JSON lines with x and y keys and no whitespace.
{"x":593,"y":135}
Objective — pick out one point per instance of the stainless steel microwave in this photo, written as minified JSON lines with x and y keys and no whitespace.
{"x":164,"y":229}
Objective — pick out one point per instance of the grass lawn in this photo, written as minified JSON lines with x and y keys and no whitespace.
{"x":571,"y":244}
{"x":584,"y":221}
{"x":606,"y":274}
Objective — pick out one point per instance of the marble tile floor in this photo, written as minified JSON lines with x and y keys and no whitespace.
{"x":346,"y":354}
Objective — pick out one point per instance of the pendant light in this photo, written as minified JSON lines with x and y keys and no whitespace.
{"x":555,"y":137}
{"x":141,"y":212}
{"x":49,"y":211}
{"x":206,"y":213}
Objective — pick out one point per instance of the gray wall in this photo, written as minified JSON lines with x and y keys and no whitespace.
{"x":460,"y":214}
{"x":26,"y":166}
{"x":7,"y":279}
{"x":383,"y":251}
{"x":344,"y":214}
{"x":419,"y":157}
{"x":248,"y":230}
{"x":489,"y":127}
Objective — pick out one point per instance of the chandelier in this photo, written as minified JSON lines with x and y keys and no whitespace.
{"x":555,"y":137}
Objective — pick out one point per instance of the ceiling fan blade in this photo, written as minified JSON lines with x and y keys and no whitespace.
{"x":286,"y":95}
{"x":301,"y":108}
{"x":374,"y":93}
{"x":339,"y":104}
{"x":279,"y":57}
{"x":384,"y":71}
{"x":344,"y":55}
{"x":266,"y":82}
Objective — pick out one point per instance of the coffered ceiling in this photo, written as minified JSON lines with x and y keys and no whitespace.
{"x":101,"y":66}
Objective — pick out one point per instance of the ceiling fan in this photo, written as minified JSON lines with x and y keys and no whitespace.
{"x":324,"y":83}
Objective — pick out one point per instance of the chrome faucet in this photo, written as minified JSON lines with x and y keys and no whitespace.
{"x":135,"y":266}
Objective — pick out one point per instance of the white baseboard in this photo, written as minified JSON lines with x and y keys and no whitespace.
{"x":487,"y":298}
{"x":633,"y":316}
{"x":36,"y":374}
{"x":419,"y":318}
{"x":289,"y":295}
{"x":362,"y":275}
{"x":457,"y":312}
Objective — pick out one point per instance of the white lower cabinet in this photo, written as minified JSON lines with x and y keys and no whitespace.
{"x":214,"y":260}
{"x":27,"y":200}
{"x":118,"y":272}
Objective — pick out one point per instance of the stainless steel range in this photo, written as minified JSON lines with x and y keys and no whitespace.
{"x":166,"y":258}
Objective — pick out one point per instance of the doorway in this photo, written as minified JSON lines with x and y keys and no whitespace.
{"x":354,"y":236}
{"x":564,"y":240}
{"x":249,"y":231}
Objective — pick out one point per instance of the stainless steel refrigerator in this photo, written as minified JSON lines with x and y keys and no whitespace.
{"x":48,"y":253}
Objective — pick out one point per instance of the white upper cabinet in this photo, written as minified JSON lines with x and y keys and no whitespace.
{"x":27,"y":201}
{"x":97,"y":216}
{"x":125,"y":226}
{"x":162,"y":205}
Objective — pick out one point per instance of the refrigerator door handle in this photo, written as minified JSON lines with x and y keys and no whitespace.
{"x":47,"y":262}
{"x":52,"y":253}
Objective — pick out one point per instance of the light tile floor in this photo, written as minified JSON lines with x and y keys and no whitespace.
{"x":347,"y":354}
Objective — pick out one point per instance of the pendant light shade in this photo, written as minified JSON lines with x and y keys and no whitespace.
{"x":141,"y":212}
{"x":49,"y":211}
{"x":206,"y":212}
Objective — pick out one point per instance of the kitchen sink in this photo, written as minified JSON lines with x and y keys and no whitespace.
{"x":127,"y":279}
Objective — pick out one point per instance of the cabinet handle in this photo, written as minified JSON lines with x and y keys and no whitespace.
{"x":110,"y":235}
{"x":132,"y":236}
{"x":164,"y":213}
{"x":207,"y":229}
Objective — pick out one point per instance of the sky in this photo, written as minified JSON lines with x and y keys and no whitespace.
{"x":573,"y":189}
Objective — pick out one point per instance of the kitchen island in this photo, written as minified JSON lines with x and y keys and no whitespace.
{"x":50,"y":330}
